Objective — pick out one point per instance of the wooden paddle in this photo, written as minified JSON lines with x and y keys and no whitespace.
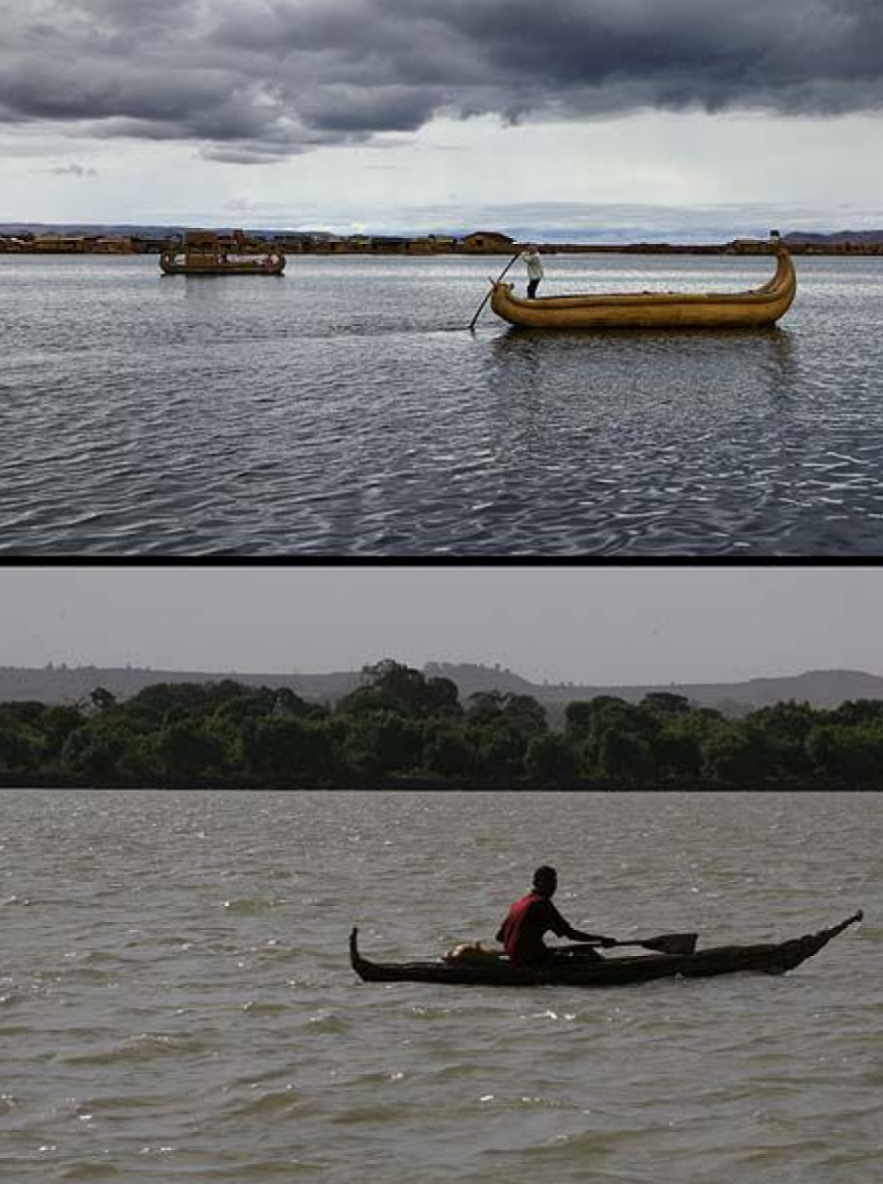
{"x":668,"y":943}
{"x":514,"y":259}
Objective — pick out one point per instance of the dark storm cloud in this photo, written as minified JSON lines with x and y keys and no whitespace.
{"x":355,"y":109}
{"x":265,"y":78}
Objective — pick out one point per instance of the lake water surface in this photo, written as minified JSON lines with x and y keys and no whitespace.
{"x":345,"y":410}
{"x":176,"y":1002}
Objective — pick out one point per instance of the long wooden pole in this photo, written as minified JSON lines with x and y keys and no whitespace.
{"x":488,"y":296}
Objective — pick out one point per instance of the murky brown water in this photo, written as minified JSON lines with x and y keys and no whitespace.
{"x":176,"y":1001}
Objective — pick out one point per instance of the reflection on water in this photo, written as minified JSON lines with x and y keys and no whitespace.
{"x":645,"y":410}
{"x":340,"y":410}
{"x":674,"y":360}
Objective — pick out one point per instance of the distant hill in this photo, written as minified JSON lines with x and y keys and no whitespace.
{"x":123,"y":228}
{"x":820,"y":688}
{"x":58,"y":684}
{"x":856,"y":237}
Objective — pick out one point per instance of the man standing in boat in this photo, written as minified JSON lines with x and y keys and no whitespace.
{"x":534,"y":915}
{"x":534,"y":270}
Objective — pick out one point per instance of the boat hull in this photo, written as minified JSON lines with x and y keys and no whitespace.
{"x":769,"y":958}
{"x":654,"y":310}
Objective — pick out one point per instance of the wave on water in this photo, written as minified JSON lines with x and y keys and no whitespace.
{"x":92,"y":1169}
{"x":240,"y":1060}
{"x":283,"y":1103}
{"x":253,"y":906}
{"x":135,"y":1050}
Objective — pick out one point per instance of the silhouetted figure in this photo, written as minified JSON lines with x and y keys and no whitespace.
{"x":534,"y":915}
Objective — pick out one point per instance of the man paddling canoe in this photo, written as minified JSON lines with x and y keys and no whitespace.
{"x":534,"y":915}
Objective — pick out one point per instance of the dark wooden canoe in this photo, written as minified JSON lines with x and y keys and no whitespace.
{"x":773,"y":958}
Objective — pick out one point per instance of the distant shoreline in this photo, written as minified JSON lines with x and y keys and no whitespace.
{"x":866,"y":250}
{"x":13,"y":781}
{"x":31,"y":239}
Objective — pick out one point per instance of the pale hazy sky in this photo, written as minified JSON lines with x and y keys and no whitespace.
{"x":595,"y":625}
{"x":608,"y":118}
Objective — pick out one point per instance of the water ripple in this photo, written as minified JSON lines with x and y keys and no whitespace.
{"x":316,"y":417}
{"x":237,"y":1044}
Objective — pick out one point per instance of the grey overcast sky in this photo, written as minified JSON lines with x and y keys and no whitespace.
{"x":593,"y":625}
{"x":603,"y":118}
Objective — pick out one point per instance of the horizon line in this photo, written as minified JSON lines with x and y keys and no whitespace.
{"x":62,"y":667}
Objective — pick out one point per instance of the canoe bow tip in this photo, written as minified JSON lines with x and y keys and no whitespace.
{"x":857,"y":916}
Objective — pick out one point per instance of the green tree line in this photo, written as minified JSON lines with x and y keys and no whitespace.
{"x":402,"y":727}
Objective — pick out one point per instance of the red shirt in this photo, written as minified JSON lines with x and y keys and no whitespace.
{"x":522,"y":931}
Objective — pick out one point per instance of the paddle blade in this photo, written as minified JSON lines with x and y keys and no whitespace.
{"x":672,"y":943}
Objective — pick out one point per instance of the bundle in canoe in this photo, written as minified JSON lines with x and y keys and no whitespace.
{"x":775,"y":958}
{"x":654,"y":310}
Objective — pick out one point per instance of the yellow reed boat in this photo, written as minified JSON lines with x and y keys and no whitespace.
{"x":655,"y":310}
{"x":205,"y":253}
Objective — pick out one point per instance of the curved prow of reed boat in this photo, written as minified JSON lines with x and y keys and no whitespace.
{"x":768,"y":958}
{"x":655,"y":310}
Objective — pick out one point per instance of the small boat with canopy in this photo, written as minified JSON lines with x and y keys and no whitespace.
{"x":205,"y":252}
